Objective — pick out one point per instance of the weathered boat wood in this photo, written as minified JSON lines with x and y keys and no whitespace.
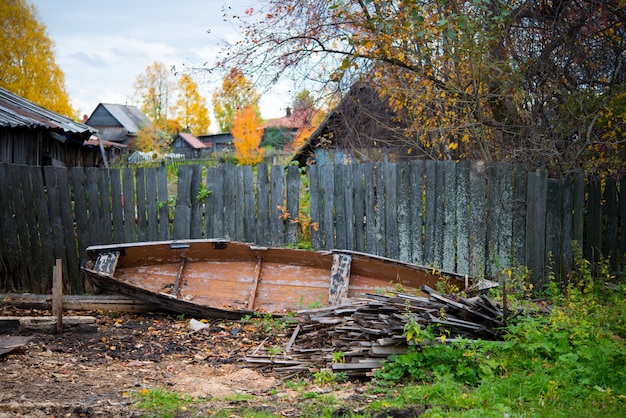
{"x":217,"y":278}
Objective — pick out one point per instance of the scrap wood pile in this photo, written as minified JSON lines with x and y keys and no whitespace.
{"x":357,"y":335}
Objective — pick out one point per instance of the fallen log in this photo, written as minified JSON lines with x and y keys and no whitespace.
{"x":47,"y":324}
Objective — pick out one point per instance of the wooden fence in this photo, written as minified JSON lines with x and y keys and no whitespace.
{"x":464,"y":217}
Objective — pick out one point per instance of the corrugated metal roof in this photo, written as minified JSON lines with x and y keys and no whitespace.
{"x":130,"y":117}
{"x":15,"y":111}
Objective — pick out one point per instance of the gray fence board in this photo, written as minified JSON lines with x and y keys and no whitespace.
{"x":358,"y":193}
{"x":163,"y":204}
{"x":292,"y":202}
{"x":182,"y":210}
{"x":593,"y":243}
{"x":263,"y":205}
{"x":117,"y":208}
{"x":554,"y":216}
{"x":429,"y":216}
{"x":462,"y":218}
{"x":416,"y":199}
{"x":566,"y":259}
{"x":249,"y":206}
{"x":536,"y":227}
{"x":448,"y":257}
{"x":341,"y":215}
{"x":611,"y":222}
{"x":391,"y":215}
{"x":379,"y":196}
{"x":478,"y":219}
{"x":518,"y":216}
{"x":277,"y":205}
{"x":370,"y":213}
{"x":403,"y":195}
{"x":151,"y":204}
{"x":195,"y":227}
{"x":622,"y":199}
{"x":327,"y":187}
{"x":130,"y":220}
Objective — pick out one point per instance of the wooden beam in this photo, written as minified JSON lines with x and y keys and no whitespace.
{"x":255,"y":283}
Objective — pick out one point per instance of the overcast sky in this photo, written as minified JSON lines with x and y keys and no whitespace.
{"x":102,"y":46}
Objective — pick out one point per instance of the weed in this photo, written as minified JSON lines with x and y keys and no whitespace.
{"x":161,"y":402}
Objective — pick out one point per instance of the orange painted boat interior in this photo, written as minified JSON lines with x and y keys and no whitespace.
{"x":241,"y":276}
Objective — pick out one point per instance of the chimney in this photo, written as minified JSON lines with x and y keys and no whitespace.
{"x":288,"y":112}
{"x":85,"y":118}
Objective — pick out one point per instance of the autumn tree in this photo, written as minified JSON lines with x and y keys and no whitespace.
{"x":154,"y":89}
{"x":489,"y":79}
{"x":247,"y":134}
{"x":235,"y":94}
{"x":27,"y":56}
{"x":191,"y":108}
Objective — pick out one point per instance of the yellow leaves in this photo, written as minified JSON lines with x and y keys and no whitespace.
{"x":247,"y":135}
{"x":453,"y":145}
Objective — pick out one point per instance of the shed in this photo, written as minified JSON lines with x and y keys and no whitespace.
{"x":118,"y":123}
{"x":33,"y":135}
{"x":187,"y":144}
{"x":361,"y":128}
{"x":218,"y":143}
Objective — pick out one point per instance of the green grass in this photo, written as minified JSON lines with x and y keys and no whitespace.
{"x":161,"y":403}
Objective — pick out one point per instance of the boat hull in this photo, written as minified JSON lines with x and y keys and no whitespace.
{"x":217,"y":278}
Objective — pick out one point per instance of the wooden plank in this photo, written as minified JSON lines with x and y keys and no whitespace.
{"x":179,"y":277}
{"x":339,"y":278}
{"x":610,"y":248}
{"x":240,"y":213}
{"x":163,"y":204}
{"x":349,"y":204}
{"x":255,"y":283}
{"x":448,"y":261}
{"x":622,"y":211}
{"x":22,"y":244}
{"x":195,"y":226}
{"x":567,"y":257}
{"x":505,"y":218}
{"x":277,"y":205}
{"x":151,"y":204}
{"x":57,"y":295}
{"x":104,"y":189}
{"x":93,"y":207}
{"x":140,"y":203}
{"x":416,"y":200}
{"x":358,"y":193}
{"x":593,"y":242}
{"x":536,"y":227}
{"x":114,"y":303}
{"x":340,"y":181}
{"x":518,"y":220}
{"x":554,"y":222}
{"x":380,"y":218}
{"x":391,"y":216}
{"x":293,"y":203}
{"x":215,"y":183}
{"x":263,"y":205}
{"x":48,"y":324}
{"x":249,"y":206}
{"x":228,"y":197}
{"x":403,"y":196}
{"x":32,"y":225}
{"x":478,"y":216}
{"x":130,"y":224}
{"x":327,"y":187}
{"x":462,"y":218}
{"x":578,"y":207}
{"x":439,"y":217}
{"x":117,"y":205}
{"x":43,"y":220}
{"x":54,"y":208}
{"x":370,"y":209}
{"x":182,"y":210}
{"x":493,"y":221}
{"x":430,"y":180}
{"x":74,"y":282}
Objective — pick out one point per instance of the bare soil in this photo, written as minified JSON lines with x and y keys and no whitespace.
{"x":84,"y":374}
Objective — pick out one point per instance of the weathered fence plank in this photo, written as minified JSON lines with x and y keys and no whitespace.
{"x":45,"y":229}
{"x":379,"y":196}
{"x":593,"y":243}
{"x":370,"y":213}
{"x":151,"y":203}
{"x":229,"y":202}
{"x":391,"y":215}
{"x":23,"y":244}
{"x":611,"y":222}
{"x":429,"y":215}
{"x":358,"y":193}
{"x":518,"y":216}
{"x":29,"y":193}
{"x":462,"y":218}
{"x":341,"y":222}
{"x":140,"y":204}
{"x":293,"y":204}
{"x":214,"y":204}
{"x":163,"y":204}
{"x":130,"y":220}
{"x":73,"y":279}
{"x":327,"y":187}
{"x":249,"y":205}
{"x":195,"y":216}
{"x":263,"y":205}
{"x":277,"y":205}
{"x":448,"y":250}
{"x":182,"y":210}
{"x":554,"y":232}
{"x":622,"y":200}
{"x":416,"y":199}
{"x":56,"y":221}
{"x":478,"y":219}
{"x":536,"y":227}
{"x":403,"y":193}
{"x":566,"y":258}
{"x":117,"y":205}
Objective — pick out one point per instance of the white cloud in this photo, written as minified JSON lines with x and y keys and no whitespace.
{"x":103,"y":46}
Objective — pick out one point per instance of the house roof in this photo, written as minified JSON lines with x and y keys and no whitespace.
{"x":192,"y":140}
{"x":129,"y":117}
{"x":295,"y":119}
{"x":362,"y":120}
{"x":15,"y":111}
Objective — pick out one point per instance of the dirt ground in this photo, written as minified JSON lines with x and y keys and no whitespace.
{"x":84,"y":374}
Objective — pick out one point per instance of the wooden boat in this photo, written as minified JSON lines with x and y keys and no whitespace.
{"x":226,"y":279}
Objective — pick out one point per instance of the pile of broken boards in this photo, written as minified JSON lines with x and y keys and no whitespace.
{"x":368,"y":329}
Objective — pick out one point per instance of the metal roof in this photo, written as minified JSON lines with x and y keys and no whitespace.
{"x":192,"y":140}
{"x":17,"y":112}
{"x":130,"y":117}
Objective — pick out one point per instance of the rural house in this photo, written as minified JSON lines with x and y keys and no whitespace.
{"x":281,"y":131}
{"x":362,"y":127}
{"x":190,"y":146}
{"x":118,"y":126}
{"x":33,"y":135}
{"x":218,"y":143}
